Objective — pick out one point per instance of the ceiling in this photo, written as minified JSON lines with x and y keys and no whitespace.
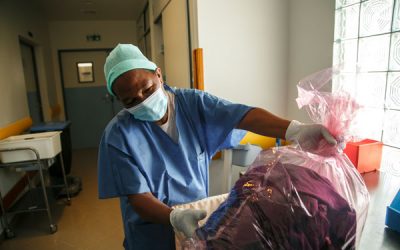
{"x":74,"y":10}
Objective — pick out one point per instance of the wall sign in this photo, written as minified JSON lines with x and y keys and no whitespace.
{"x":85,"y":72}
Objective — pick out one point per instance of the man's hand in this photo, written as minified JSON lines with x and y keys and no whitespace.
{"x":186,"y":220}
{"x":308,"y":136}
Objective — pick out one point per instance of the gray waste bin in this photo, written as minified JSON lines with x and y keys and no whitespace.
{"x":245,"y":154}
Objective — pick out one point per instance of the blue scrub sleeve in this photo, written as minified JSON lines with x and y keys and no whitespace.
{"x":118,"y":174}
{"x":220,"y":119}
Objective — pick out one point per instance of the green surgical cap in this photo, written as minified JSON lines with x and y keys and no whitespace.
{"x":123,"y":58}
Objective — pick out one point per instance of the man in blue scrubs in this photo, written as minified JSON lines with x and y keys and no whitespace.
{"x":155,"y":153}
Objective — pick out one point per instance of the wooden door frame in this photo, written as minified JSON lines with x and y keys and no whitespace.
{"x":31,"y":46}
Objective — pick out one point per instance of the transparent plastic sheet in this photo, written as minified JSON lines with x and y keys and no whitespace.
{"x":209,"y":204}
{"x":295,"y":199}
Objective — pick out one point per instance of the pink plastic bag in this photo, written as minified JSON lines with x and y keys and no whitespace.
{"x":337,"y":111}
{"x":294,"y":199}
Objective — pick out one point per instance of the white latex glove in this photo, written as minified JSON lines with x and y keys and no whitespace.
{"x":186,"y":220}
{"x":308,"y":136}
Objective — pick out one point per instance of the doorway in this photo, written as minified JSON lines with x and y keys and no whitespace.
{"x":87,"y":103}
{"x":31,"y":81}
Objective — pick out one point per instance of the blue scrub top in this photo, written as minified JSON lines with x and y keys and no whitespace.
{"x":138,"y":157}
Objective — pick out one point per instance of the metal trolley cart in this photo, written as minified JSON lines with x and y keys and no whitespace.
{"x":39,"y":154}
{"x":56,"y":176}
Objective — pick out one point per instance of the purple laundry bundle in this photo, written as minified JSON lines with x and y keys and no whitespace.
{"x":295,"y":199}
{"x":281,"y":207}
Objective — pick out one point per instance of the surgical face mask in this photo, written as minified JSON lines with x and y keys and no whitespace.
{"x":153,"y":108}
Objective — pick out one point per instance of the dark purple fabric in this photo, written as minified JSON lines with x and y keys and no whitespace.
{"x":281,"y":207}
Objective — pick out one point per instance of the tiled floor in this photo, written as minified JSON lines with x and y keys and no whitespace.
{"x":89,"y":223}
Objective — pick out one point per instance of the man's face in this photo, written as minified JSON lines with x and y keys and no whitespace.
{"x":134,"y":86}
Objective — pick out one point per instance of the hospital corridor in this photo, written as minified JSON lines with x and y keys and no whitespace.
{"x":79,"y":224}
{"x":199,"y":124}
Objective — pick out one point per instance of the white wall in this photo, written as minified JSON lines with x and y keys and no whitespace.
{"x":245,"y":50}
{"x":72,"y":35}
{"x":176,"y":44}
{"x":311,"y":30}
{"x":256,"y":51}
{"x":16,"y":19}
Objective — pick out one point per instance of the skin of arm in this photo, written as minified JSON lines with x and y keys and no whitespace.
{"x":149,"y":208}
{"x":262,"y":122}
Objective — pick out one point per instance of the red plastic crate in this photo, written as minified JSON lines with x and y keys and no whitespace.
{"x":366,"y":155}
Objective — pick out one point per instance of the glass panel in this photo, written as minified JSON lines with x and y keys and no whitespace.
{"x":370,"y":90}
{"x":343,"y":3}
{"x":376,"y":17}
{"x":346,"y":22}
{"x":394,"y":63}
{"x":369,"y":123}
{"x":85,"y":72}
{"x":396,"y":18}
{"x":391,"y":128}
{"x":390,"y":160}
{"x":393,"y":91}
{"x":345,"y":54}
{"x":339,"y":29}
{"x":373,"y":53}
{"x":344,"y":82}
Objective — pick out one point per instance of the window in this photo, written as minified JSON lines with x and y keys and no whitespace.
{"x":367,"y":41}
{"x":85,"y":72}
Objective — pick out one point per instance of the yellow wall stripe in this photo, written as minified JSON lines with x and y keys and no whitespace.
{"x":15,"y":128}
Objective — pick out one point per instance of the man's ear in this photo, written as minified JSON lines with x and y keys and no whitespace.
{"x":115,"y":95}
{"x":159,"y":74}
